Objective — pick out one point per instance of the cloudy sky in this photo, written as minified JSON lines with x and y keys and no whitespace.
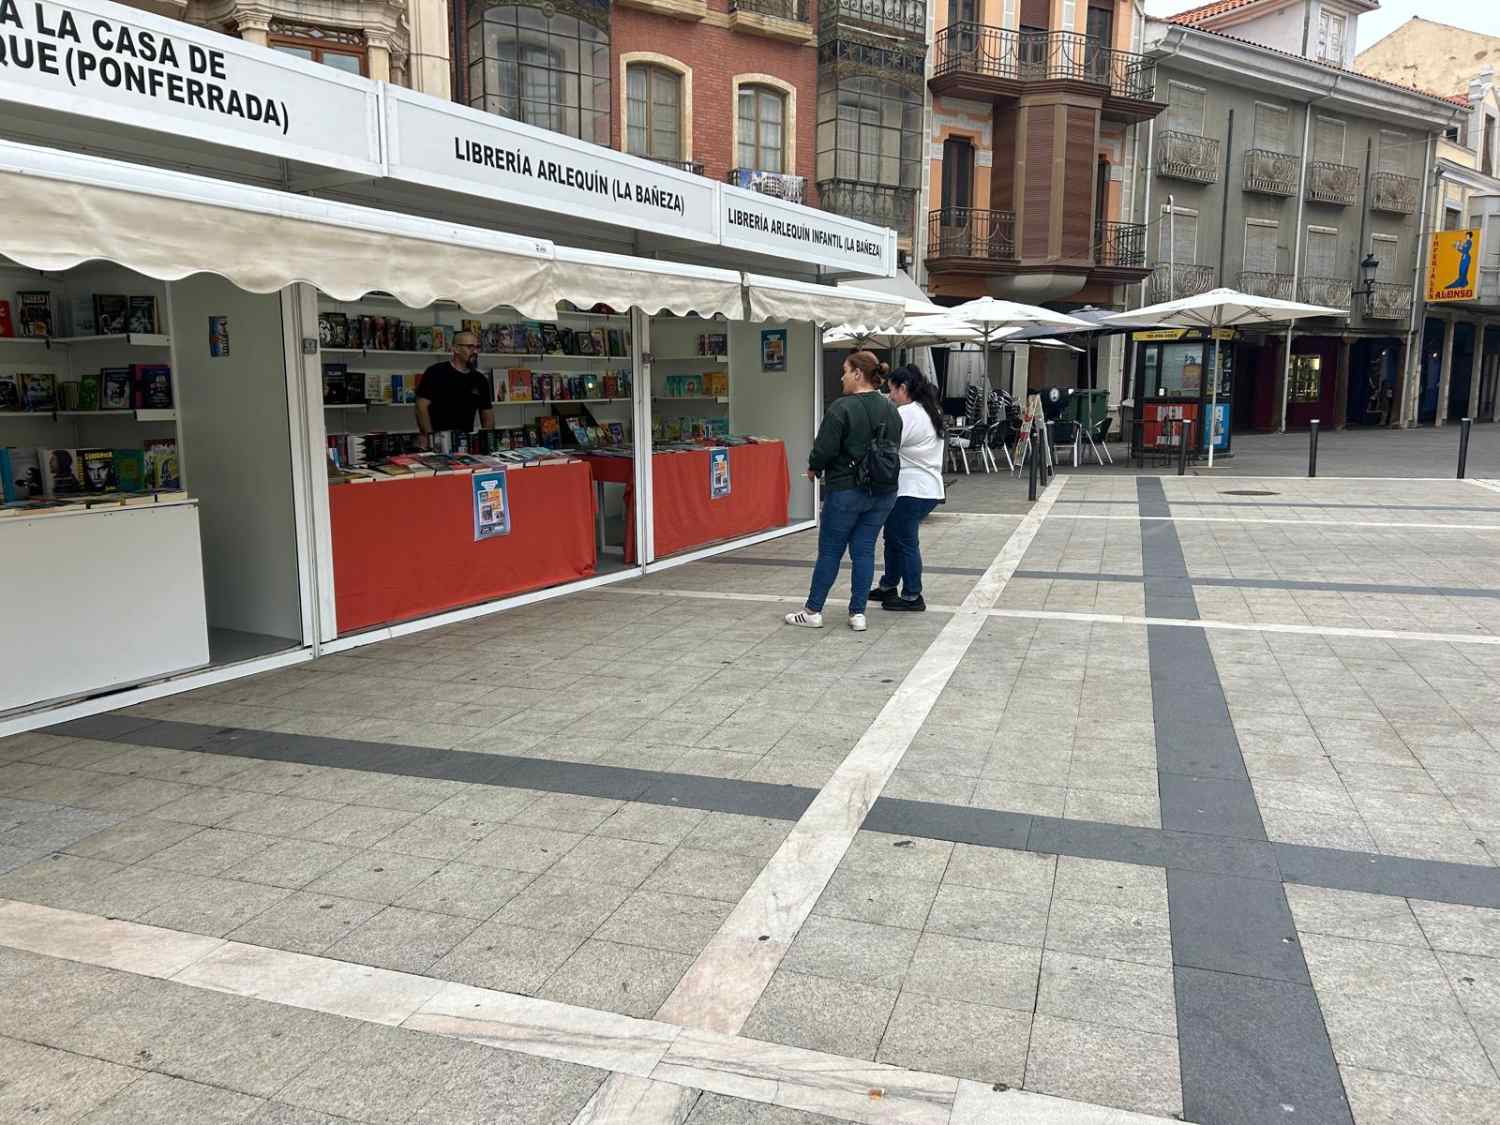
{"x":1476,"y":15}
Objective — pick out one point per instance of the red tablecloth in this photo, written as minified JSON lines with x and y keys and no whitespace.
{"x":760,"y":491}
{"x":404,"y":549}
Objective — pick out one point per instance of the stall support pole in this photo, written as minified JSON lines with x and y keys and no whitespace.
{"x":1182,"y":446}
{"x":1213,"y":401}
{"x":1312,"y":448}
{"x":1463,"y":446}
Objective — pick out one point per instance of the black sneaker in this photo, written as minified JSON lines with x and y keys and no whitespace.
{"x":905,"y":605}
{"x":882,"y":595}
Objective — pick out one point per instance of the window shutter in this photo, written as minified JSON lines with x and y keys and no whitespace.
{"x":1184,"y":238}
{"x":1328,"y":140}
{"x":1271,"y":126}
{"x":1322,"y":252}
{"x":1385,"y":247}
{"x":1185,"y":114}
{"x":1260,"y":246}
{"x":1393,"y":153}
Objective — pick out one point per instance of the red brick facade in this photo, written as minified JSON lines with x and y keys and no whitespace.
{"x":716,"y":55}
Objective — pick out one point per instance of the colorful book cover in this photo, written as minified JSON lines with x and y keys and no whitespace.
{"x":442,"y":337}
{"x":109,"y":314}
{"x":533,"y":337}
{"x":551,"y":344}
{"x":20,"y":474}
{"x":114,"y":390}
{"x":151,"y":386}
{"x":88,"y":391}
{"x":61,"y":473}
{"x":377,"y":389}
{"x":611,"y":386}
{"x":474,"y":328}
{"x":39,"y":392}
{"x":162,"y":472}
{"x":333,"y":330}
{"x":579,"y":430}
{"x":601,"y":344}
{"x":141,"y":318}
{"x":617,"y":433}
{"x":35,"y":309}
{"x":520,"y":384}
{"x":98,"y":467}
{"x":10,"y":392}
{"x":549,"y":431}
{"x":130,"y":469}
{"x":424,"y":338}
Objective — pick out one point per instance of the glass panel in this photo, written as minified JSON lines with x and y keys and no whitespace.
{"x":295,"y":52}
{"x":349,"y":64}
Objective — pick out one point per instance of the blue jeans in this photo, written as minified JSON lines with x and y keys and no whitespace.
{"x":851,"y":520}
{"x":903,"y":551}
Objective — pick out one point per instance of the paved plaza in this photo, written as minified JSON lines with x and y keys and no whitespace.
{"x":1178,"y":805}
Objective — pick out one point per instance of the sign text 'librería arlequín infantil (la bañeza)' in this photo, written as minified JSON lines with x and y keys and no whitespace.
{"x":91,"y":51}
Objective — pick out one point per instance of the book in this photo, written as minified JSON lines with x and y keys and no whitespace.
{"x":162,"y":473}
{"x":130,"y":469}
{"x":98,"y":467}
{"x":140,"y":316}
{"x":601,"y":344}
{"x":549,"y":432}
{"x":114,"y":388}
{"x":333,"y":383}
{"x":61,"y":475}
{"x":583,"y":341}
{"x":501,"y":384}
{"x":442,"y":337}
{"x":579,"y":430}
{"x":617,"y":433}
{"x":551,"y":344}
{"x":354,"y":387}
{"x":423,"y":339}
{"x":151,"y":386}
{"x":20,"y":474}
{"x":10,"y":392}
{"x":109,"y":314}
{"x":520,"y":384}
{"x":333,"y":330}
{"x":68,"y":393}
{"x":35,"y":309}
{"x":39,"y":392}
{"x":532,"y":338}
{"x":88,"y":391}
{"x":7,"y":325}
{"x":567,"y":340}
{"x":81,"y":315}
{"x":377,"y":389}
{"x":616,"y":338}
{"x":474,"y":328}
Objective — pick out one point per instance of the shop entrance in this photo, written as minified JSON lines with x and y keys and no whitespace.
{"x":148,"y":478}
{"x":1374,"y":382}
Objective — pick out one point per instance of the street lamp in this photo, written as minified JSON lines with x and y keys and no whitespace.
{"x":1368,"y":268}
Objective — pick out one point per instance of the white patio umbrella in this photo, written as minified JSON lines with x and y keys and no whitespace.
{"x":1218,"y":308}
{"x":991,"y":315}
{"x":916,"y":332}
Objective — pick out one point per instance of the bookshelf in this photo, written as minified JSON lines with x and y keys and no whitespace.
{"x":129,"y":339}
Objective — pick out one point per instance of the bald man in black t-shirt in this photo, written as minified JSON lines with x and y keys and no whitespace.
{"x":452,"y":392}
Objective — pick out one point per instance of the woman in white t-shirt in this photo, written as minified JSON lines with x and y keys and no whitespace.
{"x":920,"y":491}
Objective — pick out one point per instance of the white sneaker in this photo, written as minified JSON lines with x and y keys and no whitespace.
{"x":857,"y":622}
{"x":806,"y":618}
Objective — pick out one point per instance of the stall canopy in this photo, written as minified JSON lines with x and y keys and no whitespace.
{"x":64,"y":209}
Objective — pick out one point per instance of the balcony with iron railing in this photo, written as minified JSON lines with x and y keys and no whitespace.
{"x":787,"y":20}
{"x":881,"y":204}
{"x":907,"y":18}
{"x":974,"y":60}
{"x":970,"y":233}
{"x":1120,"y":246}
{"x":1269,"y":172}
{"x":1187,"y":156}
{"x":1394,"y":193}
{"x":1168,"y":282}
{"x":1263,"y":284}
{"x":777,"y":184}
{"x":693,"y":166}
{"x":1331,"y":292}
{"x":1389,"y":301}
{"x":1335,"y":184}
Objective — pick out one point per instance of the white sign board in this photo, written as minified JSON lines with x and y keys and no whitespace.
{"x":109,"y":63}
{"x":767,"y":225}
{"x":440,"y":144}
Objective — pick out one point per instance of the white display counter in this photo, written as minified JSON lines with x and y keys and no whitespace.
{"x":100,"y":598}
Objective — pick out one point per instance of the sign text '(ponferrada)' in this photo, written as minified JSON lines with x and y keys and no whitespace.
{"x":93,"y":52}
{"x":803,"y":232}
{"x":516,"y":162}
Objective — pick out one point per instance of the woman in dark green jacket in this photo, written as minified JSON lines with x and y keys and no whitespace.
{"x":852,"y":515}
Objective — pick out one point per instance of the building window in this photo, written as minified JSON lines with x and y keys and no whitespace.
{"x":342,"y":50}
{"x":1453,"y":217}
{"x":653,"y":112}
{"x":1186,"y":109}
{"x":1487,"y":155}
{"x":870,"y":130}
{"x":762,"y":129}
{"x":540,"y":66}
{"x":1305,"y":383}
{"x":1385,"y":247}
{"x":1331,"y":37}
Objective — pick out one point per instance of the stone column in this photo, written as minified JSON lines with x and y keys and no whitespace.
{"x":428,"y":60}
{"x":377,"y":57}
{"x":1445,"y":377}
{"x":1476,"y":380}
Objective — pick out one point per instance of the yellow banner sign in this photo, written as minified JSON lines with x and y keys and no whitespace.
{"x":1453,"y":266}
{"x":1154,"y":334}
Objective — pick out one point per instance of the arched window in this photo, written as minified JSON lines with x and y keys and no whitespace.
{"x":653,"y":112}
{"x":762,"y":129}
{"x":540,"y":66}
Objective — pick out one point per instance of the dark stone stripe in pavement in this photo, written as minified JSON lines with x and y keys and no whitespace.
{"x":584,"y":779}
{"x":1275,"y":584}
{"x":1462,"y":884}
{"x":807,"y":564}
{"x":1493,"y":509}
{"x":1235,"y":956}
{"x":1254,"y":1051}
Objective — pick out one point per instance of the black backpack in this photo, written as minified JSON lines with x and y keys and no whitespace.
{"x":878,"y":472}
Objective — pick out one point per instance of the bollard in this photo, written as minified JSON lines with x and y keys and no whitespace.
{"x":1183,"y":431}
{"x":1138,"y":436}
{"x":1312,"y":448}
{"x":1031,"y":462}
{"x":1048,"y":468}
{"x":1463,"y":446}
